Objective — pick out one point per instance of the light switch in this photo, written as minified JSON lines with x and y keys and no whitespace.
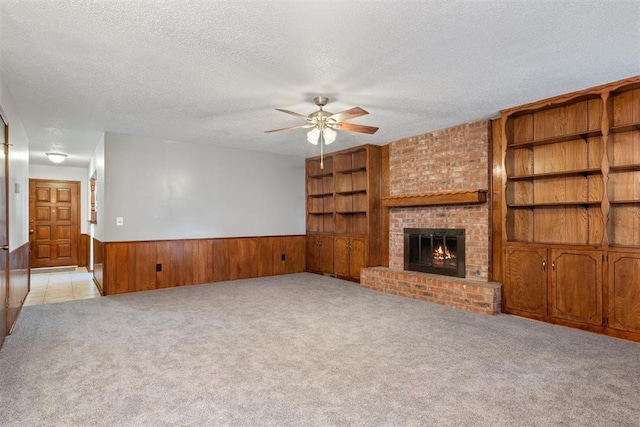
{"x":119,"y":220}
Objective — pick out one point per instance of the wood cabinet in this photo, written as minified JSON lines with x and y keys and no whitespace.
{"x":575,"y":293}
{"x":527,"y":277}
{"x":571,"y":203}
{"x":624,"y":291}
{"x":320,"y":253}
{"x":343,"y":206}
{"x":350,"y":256}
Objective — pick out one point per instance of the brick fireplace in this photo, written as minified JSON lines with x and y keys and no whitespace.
{"x":442,"y":177}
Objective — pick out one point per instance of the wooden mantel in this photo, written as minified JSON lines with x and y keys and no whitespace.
{"x":435,"y":199}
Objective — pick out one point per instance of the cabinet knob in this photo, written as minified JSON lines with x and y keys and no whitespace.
{"x":544,"y":265}
{"x":553,"y":266}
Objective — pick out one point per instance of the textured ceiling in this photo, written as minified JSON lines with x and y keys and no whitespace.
{"x":212,"y":72}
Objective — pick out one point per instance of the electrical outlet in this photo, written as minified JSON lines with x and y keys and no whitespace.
{"x":283,"y":257}
{"x":158,"y":267}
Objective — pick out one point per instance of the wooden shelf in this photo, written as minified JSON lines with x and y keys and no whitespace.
{"x":575,"y":262}
{"x":343,"y":201}
{"x":553,"y":205}
{"x":577,"y":172}
{"x":346,"y":193}
{"x":556,"y":139}
{"x":625,"y":128}
{"x":351,"y":212}
{"x":624,"y":168}
{"x":321,"y":175}
{"x":435,"y":199}
{"x":624,"y":202}
{"x":359,"y":169}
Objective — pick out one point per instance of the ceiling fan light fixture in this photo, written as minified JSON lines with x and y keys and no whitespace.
{"x":329,"y":135}
{"x":313,"y":135}
{"x":56,"y":157}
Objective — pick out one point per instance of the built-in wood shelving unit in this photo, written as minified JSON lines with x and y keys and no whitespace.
{"x":571,"y":204}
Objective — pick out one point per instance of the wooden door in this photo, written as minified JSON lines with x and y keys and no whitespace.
{"x":624,"y":291}
{"x":525,"y":287}
{"x":54,"y":222}
{"x":341,"y":256}
{"x":326,"y":254}
{"x":576,"y":286}
{"x":357,"y":256}
{"x":4,"y":229}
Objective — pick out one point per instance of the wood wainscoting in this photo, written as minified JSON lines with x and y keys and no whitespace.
{"x":83,"y":250}
{"x":18,"y":282}
{"x":98,"y":264}
{"x":145,"y":265}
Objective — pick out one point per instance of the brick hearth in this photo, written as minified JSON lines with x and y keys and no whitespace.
{"x":472,"y":295}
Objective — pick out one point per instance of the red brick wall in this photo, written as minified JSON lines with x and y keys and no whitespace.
{"x":448,"y":160}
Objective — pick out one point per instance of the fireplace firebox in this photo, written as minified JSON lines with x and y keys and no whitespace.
{"x":434,"y":250}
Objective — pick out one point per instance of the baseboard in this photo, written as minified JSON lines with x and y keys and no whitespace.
{"x":54,"y":269}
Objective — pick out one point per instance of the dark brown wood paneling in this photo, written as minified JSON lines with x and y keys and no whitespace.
{"x":132,"y":266}
{"x":98,"y":266}
{"x":295,"y":254}
{"x":18,"y":283}
{"x":221,"y":256}
{"x":203,"y":263}
{"x":163,"y":259}
{"x":242,"y":259}
{"x":83,"y":250}
{"x":144,"y":260}
{"x":118,"y":267}
{"x":264,"y":256}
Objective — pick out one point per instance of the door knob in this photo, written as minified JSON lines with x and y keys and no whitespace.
{"x":31,"y":231}
{"x":5,"y":247}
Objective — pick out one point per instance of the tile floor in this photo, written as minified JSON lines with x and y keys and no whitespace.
{"x":60,"y":286}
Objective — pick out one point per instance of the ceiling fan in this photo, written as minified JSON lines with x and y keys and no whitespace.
{"x":324,"y":124}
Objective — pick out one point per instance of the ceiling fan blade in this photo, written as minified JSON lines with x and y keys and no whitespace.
{"x":358,"y":128}
{"x":351,"y":113}
{"x":288,"y":128}
{"x":293,"y":113}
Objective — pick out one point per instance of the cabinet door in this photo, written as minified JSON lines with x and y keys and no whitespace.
{"x":576,"y":286}
{"x":357,"y":256}
{"x":624,"y":291}
{"x":313,"y":259}
{"x":525,"y":287}
{"x":326,"y":254}
{"x":341,"y":255}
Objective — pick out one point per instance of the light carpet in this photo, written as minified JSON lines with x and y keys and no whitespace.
{"x":305,"y":349}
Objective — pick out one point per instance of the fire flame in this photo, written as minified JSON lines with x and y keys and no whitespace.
{"x":443,"y":253}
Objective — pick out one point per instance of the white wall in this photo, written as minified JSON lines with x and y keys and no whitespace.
{"x":18,"y":171}
{"x":172,"y":190}
{"x":67,"y":174}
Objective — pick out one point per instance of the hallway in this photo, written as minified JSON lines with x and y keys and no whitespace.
{"x":50,"y":287}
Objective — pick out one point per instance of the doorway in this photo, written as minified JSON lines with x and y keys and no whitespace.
{"x":54,"y":222}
